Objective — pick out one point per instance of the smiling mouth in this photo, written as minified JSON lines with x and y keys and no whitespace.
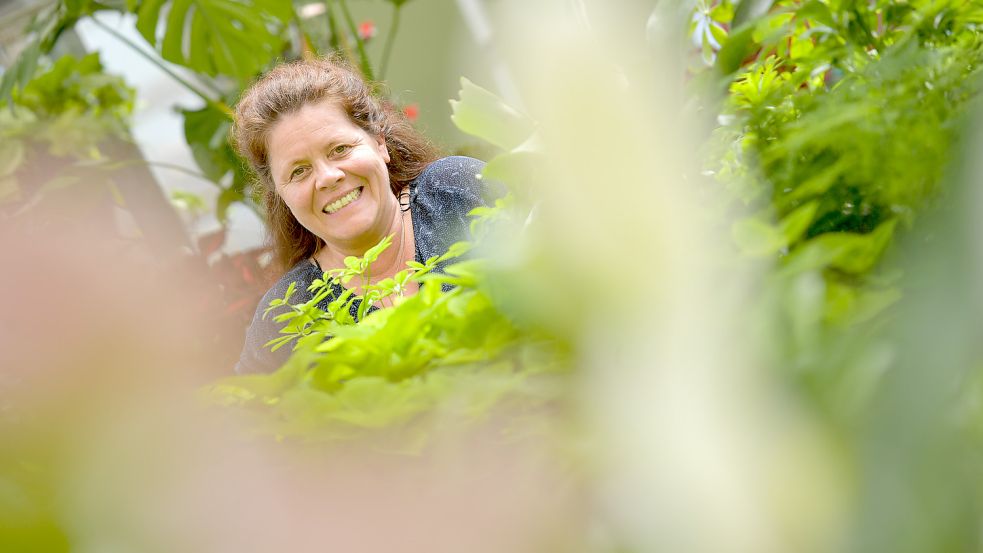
{"x":343,"y":201}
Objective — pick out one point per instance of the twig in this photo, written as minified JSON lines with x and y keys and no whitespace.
{"x":390,"y":38}
{"x":359,"y":43}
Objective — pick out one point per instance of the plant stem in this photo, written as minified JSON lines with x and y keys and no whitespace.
{"x":339,"y":38}
{"x":307,"y":48}
{"x":162,"y":164}
{"x":871,"y":40}
{"x":390,"y":38}
{"x":181,"y":169}
{"x":332,"y":27}
{"x":359,"y":43}
{"x":208,"y":99}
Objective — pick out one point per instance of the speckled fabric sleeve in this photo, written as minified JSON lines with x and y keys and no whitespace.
{"x":440,"y":199}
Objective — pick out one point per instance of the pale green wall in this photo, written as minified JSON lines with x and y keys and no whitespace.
{"x":433,"y":49}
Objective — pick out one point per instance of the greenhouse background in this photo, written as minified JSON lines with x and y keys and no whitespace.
{"x":728,"y":297}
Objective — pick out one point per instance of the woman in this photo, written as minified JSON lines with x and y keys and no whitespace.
{"x":339,"y":171}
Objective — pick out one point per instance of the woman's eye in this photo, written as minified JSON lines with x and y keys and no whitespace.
{"x":297,"y":172}
{"x":341,"y":149}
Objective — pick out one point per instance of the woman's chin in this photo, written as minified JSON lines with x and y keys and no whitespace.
{"x":355,"y":236}
{"x":356,"y":227}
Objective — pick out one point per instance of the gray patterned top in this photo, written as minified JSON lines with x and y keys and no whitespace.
{"x":439,"y":201}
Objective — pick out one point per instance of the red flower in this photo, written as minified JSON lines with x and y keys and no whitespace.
{"x":412,"y":111}
{"x":366,"y":29}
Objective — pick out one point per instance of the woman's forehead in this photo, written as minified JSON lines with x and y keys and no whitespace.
{"x":324,"y":121}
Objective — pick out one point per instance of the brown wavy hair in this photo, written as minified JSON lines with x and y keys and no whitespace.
{"x":285,"y":90}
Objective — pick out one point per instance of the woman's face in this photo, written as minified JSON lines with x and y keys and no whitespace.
{"x":333,"y":177}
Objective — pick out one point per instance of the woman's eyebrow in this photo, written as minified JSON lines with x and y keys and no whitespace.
{"x":284,"y":169}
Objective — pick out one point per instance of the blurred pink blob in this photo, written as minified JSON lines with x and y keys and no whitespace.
{"x":412,"y":111}
{"x":366,"y":29}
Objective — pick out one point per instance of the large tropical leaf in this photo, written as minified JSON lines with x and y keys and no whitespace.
{"x":228,"y":37}
{"x":206,"y":131}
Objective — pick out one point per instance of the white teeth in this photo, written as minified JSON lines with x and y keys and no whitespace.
{"x":343,"y":201}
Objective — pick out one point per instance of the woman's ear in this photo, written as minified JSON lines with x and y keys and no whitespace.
{"x":383,"y":150}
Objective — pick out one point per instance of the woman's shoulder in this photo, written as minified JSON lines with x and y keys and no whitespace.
{"x":449,"y":174}
{"x":453,"y":182}
{"x":453,"y":170}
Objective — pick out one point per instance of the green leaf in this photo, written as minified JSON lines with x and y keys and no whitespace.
{"x":278,"y":343}
{"x":518,"y":170}
{"x":738,"y":46}
{"x":256,"y":387}
{"x":484,"y":115}
{"x":20,"y":72}
{"x":794,"y":225}
{"x":816,"y":184}
{"x":237,"y":38}
{"x":749,"y":10}
{"x":226,"y":198}
{"x":723,"y":12}
{"x":848,"y":305}
{"x":719,"y":33}
{"x":373,"y":253}
{"x":457,"y":249}
{"x":848,"y":252}
{"x":756,"y":238}
{"x":147,"y":17}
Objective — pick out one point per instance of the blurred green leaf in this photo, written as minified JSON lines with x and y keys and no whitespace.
{"x":748,"y":10}
{"x":847,"y":252}
{"x":756,"y":237}
{"x":480,"y":113}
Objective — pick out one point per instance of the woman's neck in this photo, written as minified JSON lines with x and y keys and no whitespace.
{"x":389,"y":262}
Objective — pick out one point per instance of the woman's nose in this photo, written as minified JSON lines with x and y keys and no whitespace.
{"x":328,"y":174}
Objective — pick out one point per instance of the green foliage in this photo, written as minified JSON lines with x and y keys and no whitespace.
{"x":837,"y":125}
{"x":237,"y":38}
{"x":42,"y":33}
{"x":64,"y":115}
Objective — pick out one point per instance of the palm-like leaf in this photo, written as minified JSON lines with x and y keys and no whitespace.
{"x":216,"y":37}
